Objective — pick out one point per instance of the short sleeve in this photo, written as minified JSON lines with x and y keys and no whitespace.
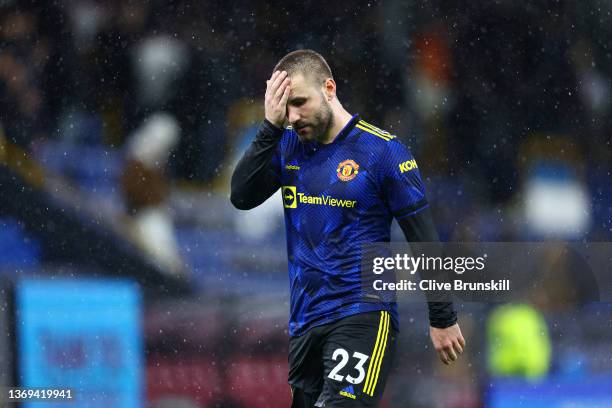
{"x":401,"y":183}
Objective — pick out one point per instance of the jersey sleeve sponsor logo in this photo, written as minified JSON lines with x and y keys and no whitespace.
{"x":408,"y":165}
{"x":292,"y":167}
{"x":291,"y":198}
{"x":347,"y":170}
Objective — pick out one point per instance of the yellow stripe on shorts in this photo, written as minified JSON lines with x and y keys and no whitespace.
{"x":377,"y":354}
{"x":380,"y":359}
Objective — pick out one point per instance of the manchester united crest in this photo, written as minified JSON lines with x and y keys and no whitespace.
{"x":347,"y":170}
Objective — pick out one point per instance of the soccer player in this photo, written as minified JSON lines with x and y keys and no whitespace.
{"x":343,"y":180}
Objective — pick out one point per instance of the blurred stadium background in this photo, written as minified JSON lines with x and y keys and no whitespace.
{"x":127,"y":275}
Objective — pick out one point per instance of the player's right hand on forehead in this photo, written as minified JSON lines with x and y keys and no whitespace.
{"x":277,"y":93}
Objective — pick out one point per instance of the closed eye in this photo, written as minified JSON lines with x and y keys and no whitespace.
{"x":297,"y":102}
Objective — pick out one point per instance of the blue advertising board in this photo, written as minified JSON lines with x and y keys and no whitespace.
{"x":83,"y":334}
{"x":586,"y":391}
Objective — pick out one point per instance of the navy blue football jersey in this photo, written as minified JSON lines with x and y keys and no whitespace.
{"x":338,"y":197}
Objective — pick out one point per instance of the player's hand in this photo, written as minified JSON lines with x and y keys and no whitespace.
{"x":449,"y":342}
{"x":277,"y":93}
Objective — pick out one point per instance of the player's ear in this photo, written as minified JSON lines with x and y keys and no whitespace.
{"x":330,"y":89}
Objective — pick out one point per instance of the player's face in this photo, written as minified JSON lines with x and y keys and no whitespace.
{"x":307,"y":109}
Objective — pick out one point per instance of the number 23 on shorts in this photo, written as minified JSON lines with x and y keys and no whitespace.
{"x":352,"y":368}
{"x":343,"y":355}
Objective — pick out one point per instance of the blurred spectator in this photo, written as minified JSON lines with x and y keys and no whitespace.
{"x":554,"y":198}
{"x":431,"y":73}
{"x":23,"y":58}
{"x":159,"y":62}
{"x":145,"y":188}
{"x":518,"y":341}
{"x":593,"y":87}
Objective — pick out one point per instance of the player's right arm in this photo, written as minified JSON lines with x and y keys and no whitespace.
{"x":255,"y":177}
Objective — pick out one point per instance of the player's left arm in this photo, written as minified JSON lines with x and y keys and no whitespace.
{"x":444,"y":330}
{"x":405,"y":194}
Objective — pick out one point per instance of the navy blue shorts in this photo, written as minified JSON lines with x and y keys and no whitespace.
{"x":342,"y":364}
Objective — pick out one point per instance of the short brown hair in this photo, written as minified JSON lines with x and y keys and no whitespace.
{"x":306,"y":62}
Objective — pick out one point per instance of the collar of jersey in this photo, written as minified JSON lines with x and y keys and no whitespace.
{"x":347,"y":128}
